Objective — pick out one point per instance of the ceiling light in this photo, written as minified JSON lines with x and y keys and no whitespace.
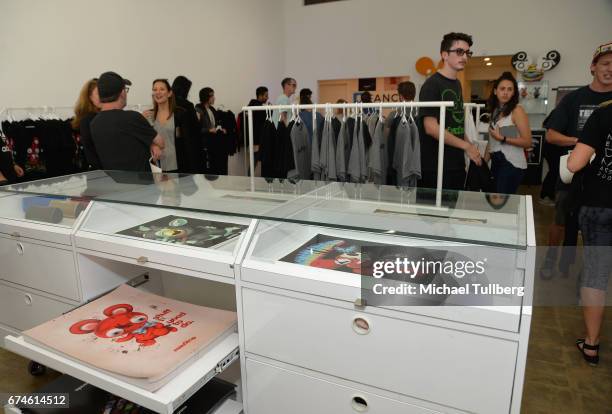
{"x":489,"y":63}
{"x":487,"y":59}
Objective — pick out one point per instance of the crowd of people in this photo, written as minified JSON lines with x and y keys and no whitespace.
{"x":178,"y":136}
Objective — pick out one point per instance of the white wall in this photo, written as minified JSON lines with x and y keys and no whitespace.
{"x":356,"y":38}
{"x":49,"y":48}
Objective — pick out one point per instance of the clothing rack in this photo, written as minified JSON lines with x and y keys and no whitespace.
{"x":357,"y":106}
{"x":478,"y":107}
{"x":33,"y":111}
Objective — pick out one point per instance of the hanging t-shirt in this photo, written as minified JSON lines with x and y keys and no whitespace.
{"x":440,"y":88}
{"x":123,"y":140}
{"x":6,"y":160}
{"x":597,"y":133}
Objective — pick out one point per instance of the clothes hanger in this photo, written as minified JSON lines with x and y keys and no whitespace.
{"x":380,"y":113}
{"x":411,"y":116}
{"x":298,"y":118}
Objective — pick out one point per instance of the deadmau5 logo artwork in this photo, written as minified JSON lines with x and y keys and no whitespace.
{"x":186,"y":230}
{"x":533,"y":71}
{"x":456,"y":111}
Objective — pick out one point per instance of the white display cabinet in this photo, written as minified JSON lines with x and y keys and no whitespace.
{"x":307,"y":327}
{"x":310,"y":339}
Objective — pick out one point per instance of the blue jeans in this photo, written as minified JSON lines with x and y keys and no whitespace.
{"x":507,"y":176}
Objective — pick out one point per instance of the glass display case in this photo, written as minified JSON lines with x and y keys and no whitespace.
{"x":303,"y":257}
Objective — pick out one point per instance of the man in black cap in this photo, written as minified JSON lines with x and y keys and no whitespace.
{"x":124,"y":140}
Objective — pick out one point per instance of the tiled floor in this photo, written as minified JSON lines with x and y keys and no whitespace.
{"x":557,"y":380}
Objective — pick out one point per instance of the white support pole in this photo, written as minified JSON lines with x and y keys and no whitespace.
{"x":314,"y":123}
{"x":441,"y":132}
{"x":251,"y":150}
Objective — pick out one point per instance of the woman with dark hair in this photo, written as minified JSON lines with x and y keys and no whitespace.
{"x":161,"y":117}
{"x":509,"y":135}
{"x":85,"y":109}
{"x":215,"y":154}
{"x":189,"y":155}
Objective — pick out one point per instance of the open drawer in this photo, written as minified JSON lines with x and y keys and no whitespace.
{"x":164,"y":400}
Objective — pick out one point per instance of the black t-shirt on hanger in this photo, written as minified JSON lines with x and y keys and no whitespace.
{"x":6,"y":160}
{"x":122,"y":140}
{"x":440,"y":88}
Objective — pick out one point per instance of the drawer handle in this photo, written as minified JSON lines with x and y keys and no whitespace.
{"x":142,"y":260}
{"x":20,"y":249}
{"x":28,"y":299}
{"x":361,"y":326}
{"x":15,"y":234}
{"x":360,"y":302}
{"x":359,"y":404}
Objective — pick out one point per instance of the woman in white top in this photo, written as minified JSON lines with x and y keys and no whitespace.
{"x":509,"y":135}
{"x":162,"y":119}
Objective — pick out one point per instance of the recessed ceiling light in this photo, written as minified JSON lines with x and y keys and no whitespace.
{"x":489,"y":63}
{"x":487,"y":59}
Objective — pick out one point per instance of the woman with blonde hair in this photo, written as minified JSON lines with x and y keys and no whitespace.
{"x":85,"y":109}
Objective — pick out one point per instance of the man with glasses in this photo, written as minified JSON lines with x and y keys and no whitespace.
{"x":289,"y":87}
{"x":444,"y":86}
{"x":124,"y":140}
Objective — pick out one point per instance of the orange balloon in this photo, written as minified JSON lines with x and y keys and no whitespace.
{"x":425,"y":66}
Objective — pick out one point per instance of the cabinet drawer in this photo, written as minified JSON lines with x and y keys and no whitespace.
{"x":24,"y":310}
{"x":276,"y":390}
{"x":40,"y":267}
{"x":449,"y":367}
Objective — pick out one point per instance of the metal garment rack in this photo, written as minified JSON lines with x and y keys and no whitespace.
{"x":358,"y":106}
{"x":33,"y":111}
{"x":469,"y":106}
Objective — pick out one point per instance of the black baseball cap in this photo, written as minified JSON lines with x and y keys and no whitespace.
{"x":110,"y":85}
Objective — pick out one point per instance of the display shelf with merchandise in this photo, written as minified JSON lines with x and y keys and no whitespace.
{"x":164,"y":400}
{"x":297,"y":275}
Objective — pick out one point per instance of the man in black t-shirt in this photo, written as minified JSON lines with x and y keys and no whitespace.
{"x":595,"y":220}
{"x":444,"y":86}
{"x":124,"y":140}
{"x":564,"y":129}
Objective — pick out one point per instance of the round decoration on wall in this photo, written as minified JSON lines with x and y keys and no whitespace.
{"x":425,"y":66}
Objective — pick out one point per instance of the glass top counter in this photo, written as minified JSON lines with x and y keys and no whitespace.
{"x":465,"y":217}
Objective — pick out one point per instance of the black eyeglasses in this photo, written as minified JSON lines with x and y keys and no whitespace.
{"x":460,"y":52}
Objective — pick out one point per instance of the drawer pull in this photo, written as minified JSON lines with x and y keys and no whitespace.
{"x":361,"y":326}
{"x":28,"y":299}
{"x":142,"y":260}
{"x":359,"y":404}
{"x":20,"y":249}
{"x":360,"y":303}
{"x":15,"y":234}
